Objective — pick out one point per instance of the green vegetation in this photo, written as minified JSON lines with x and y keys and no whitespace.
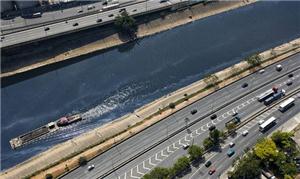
{"x":172,"y":105}
{"x":211,"y":81}
{"x":181,"y":165}
{"x":254,"y":60}
{"x":247,"y":168}
{"x":158,"y":173}
{"x":231,"y":127}
{"x":48,"y":176}
{"x":82,"y":161}
{"x":208,"y":143}
{"x":275,"y":154}
{"x":126,"y":24}
{"x":195,"y":152}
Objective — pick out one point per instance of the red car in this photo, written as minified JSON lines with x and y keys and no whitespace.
{"x":212,"y":171}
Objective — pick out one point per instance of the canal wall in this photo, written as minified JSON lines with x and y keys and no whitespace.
{"x":164,"y":22}
{"x":64,"y":157}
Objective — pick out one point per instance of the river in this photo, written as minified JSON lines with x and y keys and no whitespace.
{"x":110,"y":84}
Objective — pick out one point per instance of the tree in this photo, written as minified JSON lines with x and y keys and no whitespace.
{"x":231,"y":127}
{"x":288,"y":169}
{"x":126,"y":24}
{"x":215,"y":136}
{"x":283,"y":140}
{"x":254,"y":60}
{"x":157,"y":173}
{"x":180,"y":165}
{"x":195,"y":152}
{"x":266,"y":150}
{"x":247,"y":168}
{"x":208,"y":143}
{"x":48,"y":176}
{"x":82,"y":161}
{"x":172,"y":105}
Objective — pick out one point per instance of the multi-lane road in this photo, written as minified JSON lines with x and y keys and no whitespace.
{"x":161,"y":144}
{"x":95,"y":19}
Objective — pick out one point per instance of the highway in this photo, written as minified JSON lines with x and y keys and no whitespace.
{"x":80,"y":23}
{"x":222,"y":162}
{"x":108,"y":164}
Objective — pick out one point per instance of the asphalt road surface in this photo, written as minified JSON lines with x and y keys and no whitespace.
{"x":81,"y":22}
{"x":168,"y":151}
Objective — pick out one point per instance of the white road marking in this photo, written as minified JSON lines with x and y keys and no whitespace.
{"x":153,"y":164}
{"x":208,"y":124}
{"x":162,"y":154}
{"x":132,"y":175}
{"x":185,"y":138}
{"x":168,"y":150}
{"x":137,"y":170}
{"x":156,"y":158}
{"x":198,"y":132}
{"x":213,"y":122}
{"x":144,"y":166}
{"x":175,"y":146}
{"x":203,"y":129}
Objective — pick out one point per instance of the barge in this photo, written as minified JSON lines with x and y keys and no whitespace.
{"x":33,"y":135}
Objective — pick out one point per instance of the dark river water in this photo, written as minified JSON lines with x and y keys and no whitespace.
{"x":113,"y":83}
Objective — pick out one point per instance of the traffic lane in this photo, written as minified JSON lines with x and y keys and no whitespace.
{"x":86,"y":21}
{"x":167,"y":161}
{"x":248,"y":141}
{"x":48,"y":17}
{"x":164,"y":152}
{"x":164,"y":128}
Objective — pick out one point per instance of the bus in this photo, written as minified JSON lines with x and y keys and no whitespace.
{"x":286,"y":104}
{"x":267,"y":124}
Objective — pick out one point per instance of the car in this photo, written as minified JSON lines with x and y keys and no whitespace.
{"x":245,"y":132}
{"x":212,"y":171}
{"x":162,"y":1}
{"x":99,"y":20}
{"x":75,"y":24}
{"x":185,"y":146}
{"x":194,"y":111}
{"x":122,"y":10}
{"x":260,"y":122}
{"x":110,"y":15}
{"x":231,"y":144}
{"x":80,"y":11}
{"x":261,"y":71}
{"x":230,"y":152}
{"x":291,"y":75}
{"x":211,"y":128}
{"x":208,"y":163}
{"x":278,"y":67}
{"x":91,"y":167}
{"x":90,"y":7}
{"x":244,"y":85}
{"x":47,"y":28}
{"x":289,"y":83}
{"x":235,"y":113}
{"x":214,"y":116}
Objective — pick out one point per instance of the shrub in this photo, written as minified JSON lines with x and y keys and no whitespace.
{"x":172,"y":105}
{"x":82,"y":161}
{"x":48,"y":176}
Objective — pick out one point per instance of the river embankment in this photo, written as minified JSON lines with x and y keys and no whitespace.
{"x":64,"y":157}
{"x":163,"y":22}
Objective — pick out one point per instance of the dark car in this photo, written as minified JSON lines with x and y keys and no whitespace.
{"x":47,"y":28}
{"x":230,"y":152}
{"x":211,"y":128}
{"x":194,"y":111}
{"x":75,"y":24}
{"x":214,"y":116}
{"x":99,"y":20}
{"x":208,"y":163}
{"x":212,"y":171}
{"x":289,"y":83}
{"x":244,"y":85}
{"x":291,"y":75}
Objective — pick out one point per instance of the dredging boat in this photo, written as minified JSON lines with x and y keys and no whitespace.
{"x":33,"y":135}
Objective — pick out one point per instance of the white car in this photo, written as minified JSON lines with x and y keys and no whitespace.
{"x":245,"y":132}
{"x":91,"y":167}
{"x":260,"y":122}
{"x":185,"y":146}
{"x":261,"y":71}
{"x":231,"y":144}
{"x":279,"y":67}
